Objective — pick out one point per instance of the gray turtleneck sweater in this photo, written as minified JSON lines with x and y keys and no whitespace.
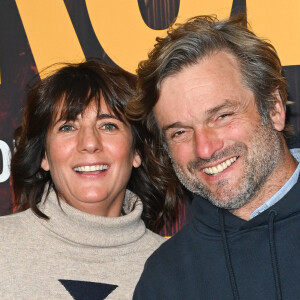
{"x":74,"y":255}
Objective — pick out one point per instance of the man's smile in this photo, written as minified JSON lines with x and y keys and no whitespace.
{"x":220,"y":167}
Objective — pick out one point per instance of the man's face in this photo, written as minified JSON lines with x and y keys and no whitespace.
{"x":218,"y":144}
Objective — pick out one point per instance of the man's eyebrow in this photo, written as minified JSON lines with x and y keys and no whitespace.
{"x":227,"y":104}
{"x":208,"y":113}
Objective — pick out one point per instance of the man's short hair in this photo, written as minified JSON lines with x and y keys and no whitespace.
{"x":186,"y":44}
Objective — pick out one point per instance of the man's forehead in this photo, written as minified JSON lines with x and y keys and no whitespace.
{"x":208,"y":76}
{"x":205,"y":82}
{"x":213,"y":83}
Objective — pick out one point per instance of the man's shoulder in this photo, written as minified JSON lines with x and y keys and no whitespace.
{"x":171,"y":248}
{"x":163,"y":264}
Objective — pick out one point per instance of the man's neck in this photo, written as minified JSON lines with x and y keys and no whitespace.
{"x":280,"y":175}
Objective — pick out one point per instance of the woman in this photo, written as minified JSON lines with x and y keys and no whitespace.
{"x":83,"y":236}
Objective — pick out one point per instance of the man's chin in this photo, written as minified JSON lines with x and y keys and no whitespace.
{"x":229,"y":201}
{"x":224,"y":190}
{"x":230,"y":205}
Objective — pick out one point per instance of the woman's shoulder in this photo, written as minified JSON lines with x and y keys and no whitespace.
{"x":14,"y":223}
{"x":146,"y":245}
{"x":155,"y":239}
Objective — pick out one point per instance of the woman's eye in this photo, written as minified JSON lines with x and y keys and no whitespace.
{"x":109,"y":126}
{"x":66,"y":127}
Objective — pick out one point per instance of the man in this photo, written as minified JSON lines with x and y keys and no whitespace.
{"x":213,"y":94}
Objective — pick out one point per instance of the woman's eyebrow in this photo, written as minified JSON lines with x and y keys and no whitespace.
{"x":102,"y":116}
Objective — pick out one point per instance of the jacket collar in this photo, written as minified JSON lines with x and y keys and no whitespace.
{"x":207,"y":214}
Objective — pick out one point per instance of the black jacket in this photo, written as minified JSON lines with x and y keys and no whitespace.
{"x":219,"y":256}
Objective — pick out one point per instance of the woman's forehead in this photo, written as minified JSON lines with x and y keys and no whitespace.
{"x":66,"y":110}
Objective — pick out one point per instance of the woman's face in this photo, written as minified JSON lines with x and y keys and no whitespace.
{"x":90,"y":160}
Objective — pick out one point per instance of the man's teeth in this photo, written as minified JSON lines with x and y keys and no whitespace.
{"x":91,"y":168}
{"x":221,"y":167}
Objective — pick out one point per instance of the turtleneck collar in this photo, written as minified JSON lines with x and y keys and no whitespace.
{"x":81,"y":228}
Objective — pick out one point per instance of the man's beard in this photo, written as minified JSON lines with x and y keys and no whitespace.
{"x":260,"y":159}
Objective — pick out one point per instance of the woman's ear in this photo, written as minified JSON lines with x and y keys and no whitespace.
{"x":45,"y":163}
{"x":136,"y":160}
{"x":277,"y":114}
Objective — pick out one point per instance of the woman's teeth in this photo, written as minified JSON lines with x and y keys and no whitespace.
{"x":91,"y":168}
{"x":220,"y":167}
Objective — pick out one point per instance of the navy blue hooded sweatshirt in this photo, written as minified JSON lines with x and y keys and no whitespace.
{"x":219,"y":256}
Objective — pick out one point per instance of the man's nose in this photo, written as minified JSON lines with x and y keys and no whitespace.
{"x":89,"y":140}
{"x":206,"y":142}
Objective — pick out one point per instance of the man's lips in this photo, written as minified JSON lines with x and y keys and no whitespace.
{"x":220,"y":167}
{"x":91,"y":168}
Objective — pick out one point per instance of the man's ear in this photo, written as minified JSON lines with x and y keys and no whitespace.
{"x":277,"y":113}
{"x":45,"y":163}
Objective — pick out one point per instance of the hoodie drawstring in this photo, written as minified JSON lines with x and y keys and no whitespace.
{"x":273,"y":252}
{"x":228,"y":257}
{"x":272,"y":215}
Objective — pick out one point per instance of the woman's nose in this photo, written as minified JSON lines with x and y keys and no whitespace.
{"x":89,"y":140}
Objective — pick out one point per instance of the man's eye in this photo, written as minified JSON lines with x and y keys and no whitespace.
{"x":181,"y":135}
{"x":109,"y":126}
{"x":223,"y":116}
{"x":178,"y":133}
{"x":66,"y":127}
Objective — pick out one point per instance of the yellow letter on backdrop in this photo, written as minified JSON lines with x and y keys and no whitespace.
{"x":50,"y":32}
{"x":279,"y":22}
{"x":125,"y":37}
